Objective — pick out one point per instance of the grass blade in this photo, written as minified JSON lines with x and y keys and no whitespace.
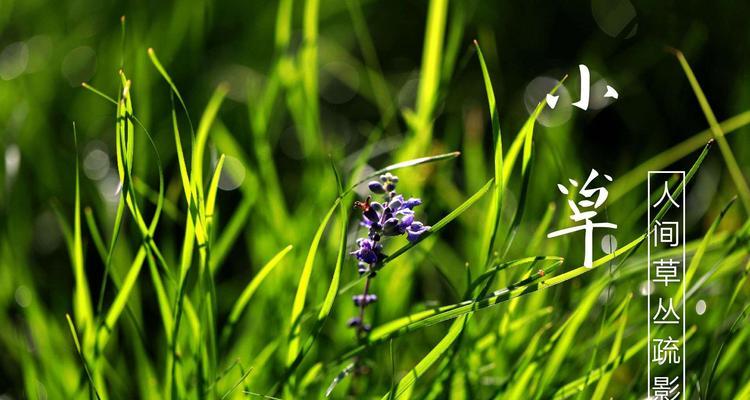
{"x":718,"y":134}
{"x":247,"y":294}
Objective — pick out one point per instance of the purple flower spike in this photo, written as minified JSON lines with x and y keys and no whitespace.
{"x":393,"y":216}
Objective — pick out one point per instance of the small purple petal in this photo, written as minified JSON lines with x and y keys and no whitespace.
{"x":376,"y":187}
{"x":412,"y":202}
{"x":415,"y":231}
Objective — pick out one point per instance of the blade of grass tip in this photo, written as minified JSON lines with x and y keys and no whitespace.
{"x":527,"y":132}
{"x":237,"y":384}
{"x":249,"y":291}
{"x":299,"y":298}
{"x":201,"y":135}
{"x":405,"y":164}
{"x":181,"y":158}
{"x":494,"y":211}
{"x":425,"y":363}
{"x":718,"y":134}
{"x":213,"y":187}
{"x":99,"y":93}
{"x":81,"y":356}
{"x":122,"y":41}
{"x":698,"y":256}
{"x":165,"y":75}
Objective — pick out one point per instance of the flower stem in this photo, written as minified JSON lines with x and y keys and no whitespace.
{"x":361,"y":331}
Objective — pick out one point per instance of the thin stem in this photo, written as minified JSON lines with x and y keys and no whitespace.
{"x":361,"y":331}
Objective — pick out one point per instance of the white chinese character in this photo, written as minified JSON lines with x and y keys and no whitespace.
{"x":666,"y":271}
{"x":583,"y":103}
{"x":586,"y":215}
{"x":664,"y":389}
{"x":666,"y":351}
{"x":665,"y":314}
{"x":666,"y":194}
{"x":667,"y":233}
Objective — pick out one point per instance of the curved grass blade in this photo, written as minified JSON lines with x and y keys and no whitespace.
{"x":404,"y":164}
{"x":494,"y":211}
{"x":299,"y":298}
{"x":729,"y":335}
{"x":637,"y":175}
{"x":718,"y":134}
{"x":213,"y":187}
{"x":165,"y":75}
{"x":527,"y":133}
{"x":698,"y":256}
{"x":247,"y":294}
{"x":333,"y":287}
{"x":433,"y":356}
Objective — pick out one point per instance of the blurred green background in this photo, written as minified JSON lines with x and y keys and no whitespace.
{"x":351,"y":80}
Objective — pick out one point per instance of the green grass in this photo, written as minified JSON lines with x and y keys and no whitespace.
{"x":181,"y":289}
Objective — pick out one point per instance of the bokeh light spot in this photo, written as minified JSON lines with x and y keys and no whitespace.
{"x":700,"y":307}
{"x":13,"y":60}
{"x":79,"y":65}
{"x":232,"y":174}
{"x":537,"y":90}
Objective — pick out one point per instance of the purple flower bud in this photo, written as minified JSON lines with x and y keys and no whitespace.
{"x":376,"y":187}
{"x":362,"y":267}
{"x":412,"y":202}
{"x":395,"y":203}
{"x":415,"y":230}
{"x":363,"y":300}
{"x":371,"y":214}
{"x":391,"y":227}
{"x":369,"y":250}
{"x":406,"y":219}
{"x":354,"y":322}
